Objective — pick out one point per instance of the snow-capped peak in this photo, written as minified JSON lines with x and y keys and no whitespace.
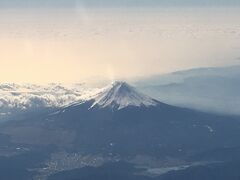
{"x":120,"y":95}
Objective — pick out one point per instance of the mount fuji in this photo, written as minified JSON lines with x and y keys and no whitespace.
{"x":120,"y":95}
{"x":121,"y":124}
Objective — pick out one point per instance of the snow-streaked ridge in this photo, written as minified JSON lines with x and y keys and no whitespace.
{"x":120,"y":95}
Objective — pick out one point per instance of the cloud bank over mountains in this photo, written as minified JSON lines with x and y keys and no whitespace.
{"x":26,"y":98}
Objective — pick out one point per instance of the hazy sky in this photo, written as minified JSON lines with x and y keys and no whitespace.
{"x":71,"y":44}
{"x":112,"y":3}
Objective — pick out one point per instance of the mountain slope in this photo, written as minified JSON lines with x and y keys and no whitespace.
{"x":119,"y":124}
{"x":120,"y":95}
{"x":121,"y":121}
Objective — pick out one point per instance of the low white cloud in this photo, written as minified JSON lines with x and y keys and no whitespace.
{"x":28,"y":97}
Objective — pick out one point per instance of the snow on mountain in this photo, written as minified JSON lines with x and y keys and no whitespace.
{"x":22,"y":98}
{"x":120,"y":95}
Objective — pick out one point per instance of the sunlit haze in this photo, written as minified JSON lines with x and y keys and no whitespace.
{"x":75,"y":44}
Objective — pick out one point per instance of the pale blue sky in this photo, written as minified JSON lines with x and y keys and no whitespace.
{"x":106,"y":3}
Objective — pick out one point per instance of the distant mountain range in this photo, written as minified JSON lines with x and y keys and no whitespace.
{"x":205,"y":89}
